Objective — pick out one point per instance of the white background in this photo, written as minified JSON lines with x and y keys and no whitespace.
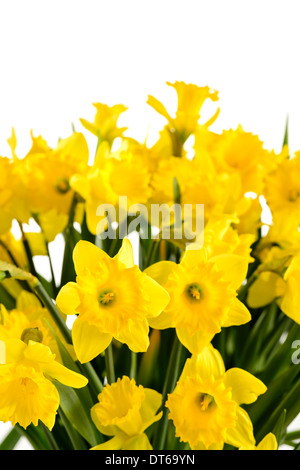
{"x":58,"y":57}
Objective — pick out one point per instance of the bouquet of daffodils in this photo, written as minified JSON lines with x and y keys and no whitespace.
{"x":173,"y":320}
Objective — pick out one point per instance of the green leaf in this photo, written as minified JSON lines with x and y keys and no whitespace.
{"x":76,"y":414}
{"x":11,"y":440}
{"x":286,"y":133}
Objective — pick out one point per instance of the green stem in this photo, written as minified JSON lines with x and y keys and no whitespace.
{"x":109,"y":361}
{"x":50,"y":437}
{"x":92,"y":377}
{"x":132,"y":373}
{"x":28,"y":251}
{"x":49,"y":304}
{"x":169,"y":385}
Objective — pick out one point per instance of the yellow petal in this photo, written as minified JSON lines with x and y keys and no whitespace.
{"x":245,"y":387}
{"x":159,"y":107}
{"x":160,"y":271}
{"x":26,"y":299}
{"x":194,"y":254}
{"x":269,"y":442}
{"x":158,"y":297}
{"x":65,"y":376}
{"x":233,"y":267}
{"x":208,"y":363}
{"x":68,"y":299}
{"x":238,"y":314}
{"x":2,"y":352}
{"x":136,"y":335}
{"x":194,"y":343}
{"x":138,"y":442}
{"x":14,"y":350}
{"x":115,"y":443}
{"x":242,"y":434}
{"x":86,"y":255}
{"x":161,"y":322}
{"x":265,"y":289}
{"x":88,"y":341}
{"x":125,"y":254}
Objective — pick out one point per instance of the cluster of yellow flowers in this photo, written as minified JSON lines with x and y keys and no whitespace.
{"x":222,"y":304}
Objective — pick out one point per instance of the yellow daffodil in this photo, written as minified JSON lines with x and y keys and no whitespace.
{"x":202,"y":295}
{"x":105,"y":122}
{"x":112,"y":176}
{"x":269,"y":442}
{"x":282,"y":190}
{"x":113,"y":298}
{"x":29,"y":315}
{"x":124,"y":411}
{"x":27,"y":394}
{"x":47,"y":174}
{"x":185,"y":122}
{"x":243,"y":152}
{"x":205,"y":405}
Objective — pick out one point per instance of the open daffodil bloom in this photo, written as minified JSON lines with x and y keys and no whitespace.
{"x":124,"y":411}
{"x":205,"y":405}
{"x":202,"y":296}
{"x":113,"y":298}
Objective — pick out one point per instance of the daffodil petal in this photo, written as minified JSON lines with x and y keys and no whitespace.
{"x":116,"y":443}
{"x":238,"y":314}
{"x":88,"y":341}
{"x":68,"y":299}
{"x":86,"y":255}
{"x":269,"y":442}
{"x":138,"y":442}
{"x":158,"y":296}
{"x":245,"y":387}
{"x":65,"y":376}
{"x":160,"y":271}
{"x":265,"y":289}
{"x":208,"y":363}
{"x":125,"y":254}
{"x":135,"y":335}
{"x":242,"y":434}
{"x":194,"y":343}
{"x":234,"y":268}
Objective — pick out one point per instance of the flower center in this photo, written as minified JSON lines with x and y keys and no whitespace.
{"x":206,"y":401}
{"x":62,"y":185}
{"x":32,"y":334}
{"x":194,"y":291}
{"x":106,"y":297}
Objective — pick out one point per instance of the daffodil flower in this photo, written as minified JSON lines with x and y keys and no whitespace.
{"x":202,"y":295}
{"x":124,"y":411}
{"x":27,"y":393}
{"x":205,"y":405}
{"x":113,"y":299}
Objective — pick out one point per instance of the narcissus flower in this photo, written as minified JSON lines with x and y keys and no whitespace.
{"x":113,"y":298}
{"x":190,"y":101}
{"x":29,"y":316}
{"x":205,"y":405}
{"x":124,"y":411}
{"x":111,"y":176}
{"x":105,"y":122}
{"x":282,"y":190}
{"x":26,"y":393}
{"x":202,"y":295}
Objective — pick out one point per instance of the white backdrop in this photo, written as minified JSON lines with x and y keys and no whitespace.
{"x":58,"y":57}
